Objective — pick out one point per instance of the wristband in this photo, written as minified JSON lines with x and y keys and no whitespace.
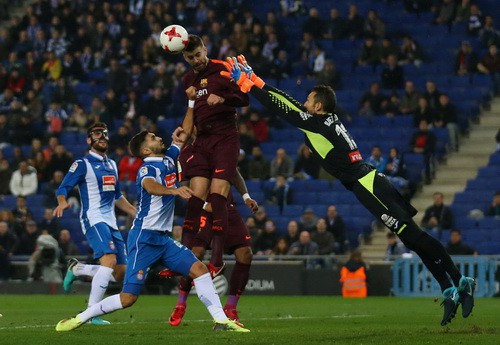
{"x":205,"y":205}
{"x":190,"y":104}
{"x":246,"y":196}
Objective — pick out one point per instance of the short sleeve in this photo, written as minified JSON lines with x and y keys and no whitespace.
{"x":146,"y":172}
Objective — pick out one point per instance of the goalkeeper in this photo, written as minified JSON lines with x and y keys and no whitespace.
{"x":337,"y":152}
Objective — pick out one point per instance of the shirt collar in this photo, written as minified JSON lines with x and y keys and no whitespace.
{"x":96,"y":155}
{"x":153,"y":159}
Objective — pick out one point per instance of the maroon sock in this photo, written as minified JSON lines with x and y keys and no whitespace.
{"x":219,"y":227}
{"x":239,"y":278}
{"x":192,"y":220}
{"x":185,"y":285}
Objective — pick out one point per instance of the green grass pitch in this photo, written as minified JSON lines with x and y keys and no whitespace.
{"x":271,"y":319}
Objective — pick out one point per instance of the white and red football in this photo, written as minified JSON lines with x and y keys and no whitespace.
{"x":174,"y":38}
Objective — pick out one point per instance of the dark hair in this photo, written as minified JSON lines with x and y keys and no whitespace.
{"x":326,"y":96}
{"x":135,"y":144}
{"x":456,"y":230}
{"x":100,"y":125}
{"x":194,"y":42}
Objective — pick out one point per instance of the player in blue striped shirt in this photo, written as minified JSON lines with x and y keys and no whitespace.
{"x":97,"y":179}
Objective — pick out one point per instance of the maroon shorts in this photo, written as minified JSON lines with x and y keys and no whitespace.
{"x":236,"y":237}
{"x":213,"y":156}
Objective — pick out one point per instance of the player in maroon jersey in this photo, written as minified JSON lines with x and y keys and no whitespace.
{"x":215,"y":152}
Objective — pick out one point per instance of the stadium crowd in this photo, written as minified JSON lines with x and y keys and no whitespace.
{"x":67,"y":64}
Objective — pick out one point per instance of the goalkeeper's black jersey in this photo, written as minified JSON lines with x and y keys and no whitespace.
{"x":325,"y":135}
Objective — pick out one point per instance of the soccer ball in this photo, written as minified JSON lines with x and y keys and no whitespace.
{"x":174,"y":38}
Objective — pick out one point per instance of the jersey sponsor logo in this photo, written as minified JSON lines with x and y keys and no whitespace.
{"x":73,"y":167}
{"x":170,"y":180}
{"x":112,"y":245}
{"x":143,"y":172}
{"x":390,"y":222}
{"x":108,"y":183}
{"x":219,"y":170}
{"x":355,"y":156}
{"x":329,"y":121}
{"x":140,"y":275}
{"x":204,"y":82}
{"x":201,"y":92}
{"x":305,"y":116}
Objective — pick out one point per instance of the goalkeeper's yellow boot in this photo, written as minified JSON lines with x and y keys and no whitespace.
{"x":69,"y":324}
{"x":228,"y":326}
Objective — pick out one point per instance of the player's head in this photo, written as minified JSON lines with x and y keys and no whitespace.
{"x":321,"y":100}
{"x":195,"y":53}
{"x":145,"y":144}
{"x":97,"y":137}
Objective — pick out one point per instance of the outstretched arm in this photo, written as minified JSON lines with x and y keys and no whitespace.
{"x":182,"y":134}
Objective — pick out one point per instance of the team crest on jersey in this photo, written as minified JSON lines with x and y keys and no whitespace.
{"x":143,"y":171}
{"x":112,"y":245}
{"x":204,"y":82}
{"x":140,"y":275}
{"x":108,"y":183}
{"x":73,"y":167}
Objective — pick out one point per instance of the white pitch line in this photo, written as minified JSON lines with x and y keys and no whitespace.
{"x":281,"y":318}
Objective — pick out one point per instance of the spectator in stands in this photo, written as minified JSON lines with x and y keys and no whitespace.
{"x":78,"y":119}
{"x":27,"y":239}
{"x":392,"y":76}
{"x":61,"y":159}
{"x":423,"y":141}
{"x":57,"y":44}
{"x":258,"y":126}
{"x":24,"y":180}
{"x":49,"y":223}
{"x":271,"y":46}
{"x":475,"y":20}
{"x":456,"y":247}
{"x":281,"y":165}
{"x":8,"y":245}
{"x":281,"y":248}
{"x":305,"y":166}
{"x":410,"y":52}
{"x":308,"y":220}
{"x":22,"y":215}
{"x":16,"y":82}
{"x":40,"y":164}
{"x":44,"y":263}
{"x":291,"y":7}
{"x":335,"y":26}
{"x":23,"y":130}
{"x":282,"y":193}
{"x":258,"y":166}
{"x":56,"y":117}
{"x":33,"y":105}
{"x":494,"y":209}
{"x":260,"y":218}
{"x":113,"y":104}
{"x":387,"y":48}
{"x":445,"y":12}
{"x":335,"y":225}
{"x":437,"y":217}
{"x":324,"y":238}
{"x":391,"y":106}
{"x":370,"y":52}
{"x":374,"y":26}
{"x":395,"y":172}
{"x":445,"y":116}
{"x":489,"y":35}
{"x":304,"y":246}
{"x":462,"y":11}
{"x":490,"y":65}
{"x":253,"y":230}
{"x":330,"y":75}
{"x":5,"y":175}
{"x":466,"y":60}
{"x":267,"y":240}
{"x":72,"y":68}
{"x":128,"y":168}
{"x":373,"y":99}
{"x":8,"y":102}
{"x":409,"y":100}
{"x":316,"y":62}
{"x":394,"y":247}
{"x":377,"y":160}
{"x":117,"y":78}
{"x":314,"y":24}
{"x":247,"y":138}
{"x":354,"y":25}
{"x":281,"y":67}
{"x":68,"y":247}
{"x":432,"y":94}
{"x":52,"y":67}
{"x":120,"y":138}
{"x":423,"y":112}
{"x":4,"y":130}
{"x":292,"y":232}
{"x":156,"y":106}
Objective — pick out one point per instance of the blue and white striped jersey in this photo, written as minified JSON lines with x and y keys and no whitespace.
{"x":155,"y":212}
{"x":97,"y":181}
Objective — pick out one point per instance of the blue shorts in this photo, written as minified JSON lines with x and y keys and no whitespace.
{"x":145,"y":247}
{"x":105,"y":240}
